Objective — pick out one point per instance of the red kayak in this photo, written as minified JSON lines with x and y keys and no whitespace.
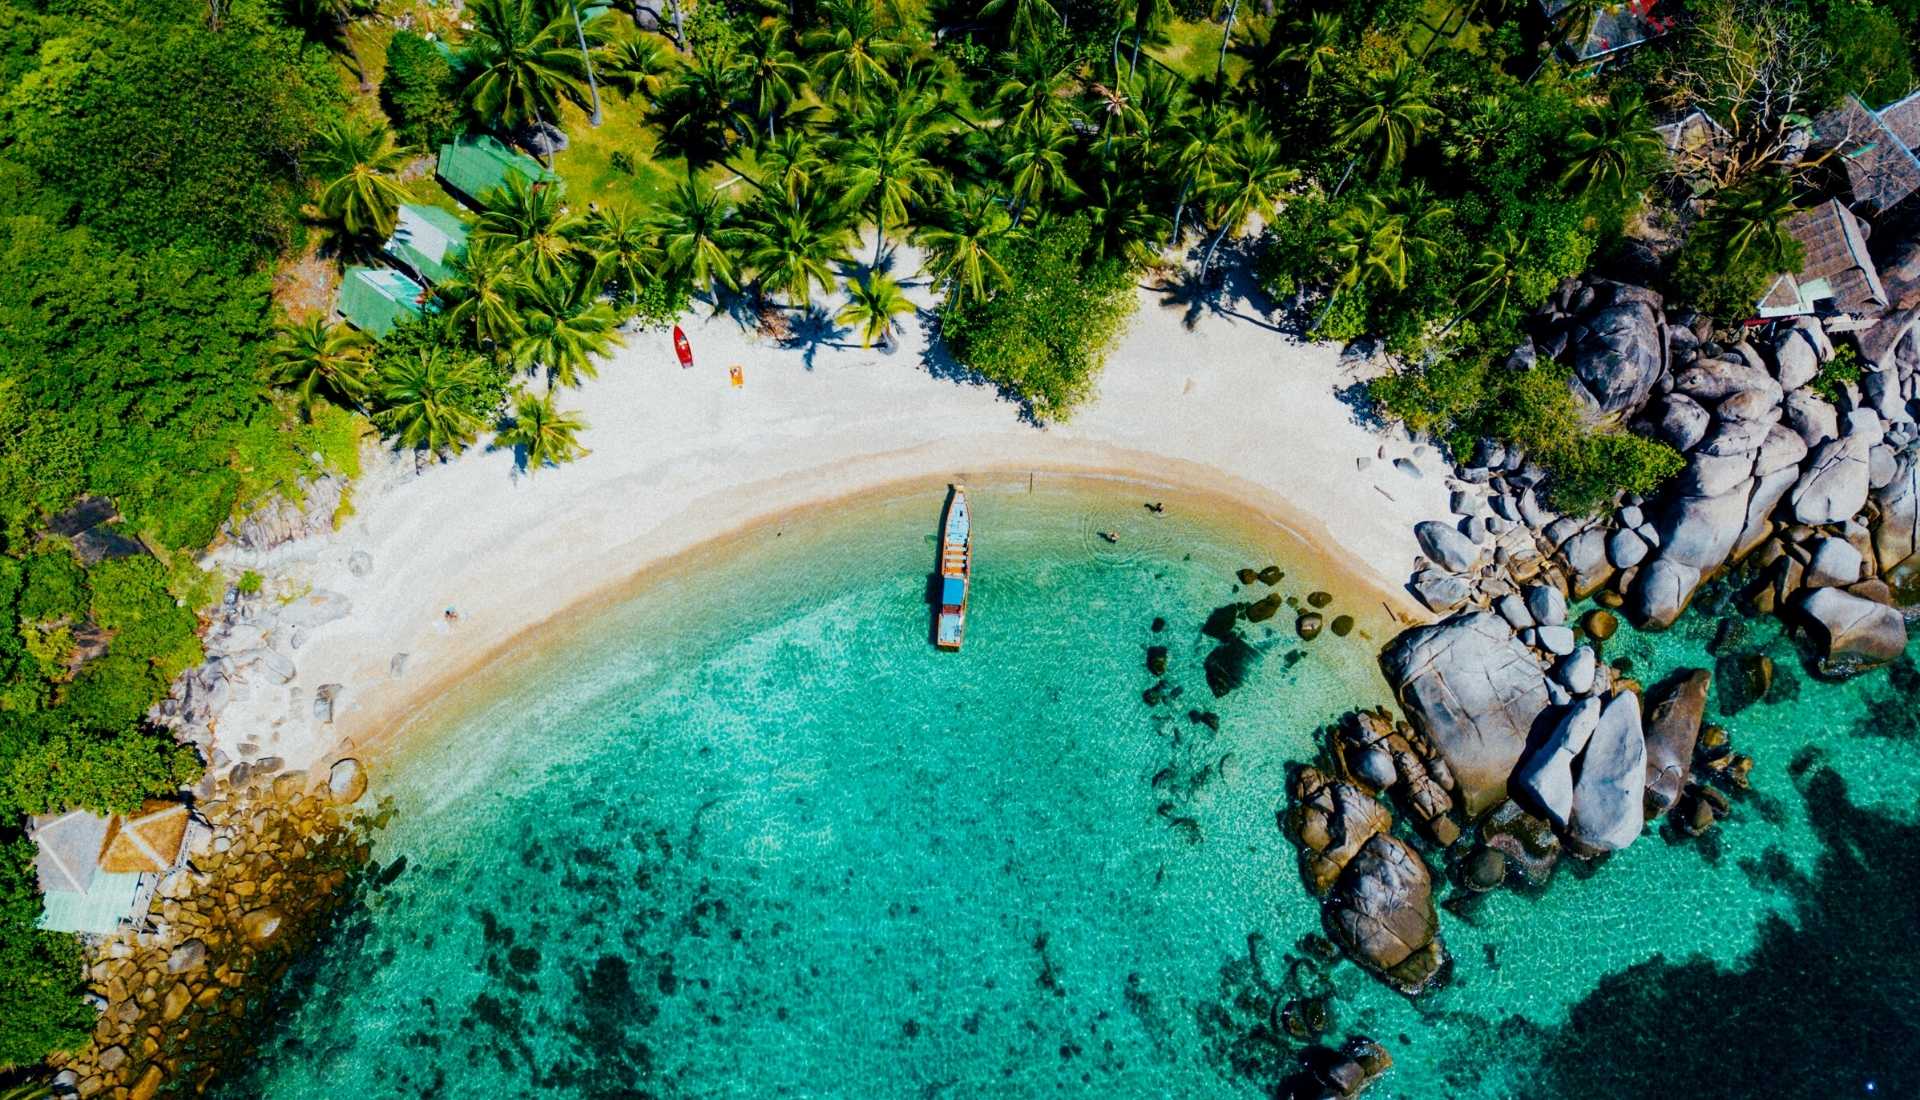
{"x":681,"y":348}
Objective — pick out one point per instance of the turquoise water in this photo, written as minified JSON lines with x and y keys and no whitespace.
{"x":747,"y":834}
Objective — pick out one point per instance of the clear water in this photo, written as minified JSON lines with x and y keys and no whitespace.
{"x":747,"y":834}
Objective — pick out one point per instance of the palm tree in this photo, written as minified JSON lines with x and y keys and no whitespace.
{"x":1203,"y":142}
{"x":1028,"y":98}
{"x":1249,"y":183}
{"x":1393,"y":114}
{"x":792,"y":243}
{"x":355,"y":162}
{"x":1123,"y":220}
{"x":851,"y":54}
{"x":771,"y":74}
{"x":872,"y":306}
{"x":530,"y":222}
{"x":1386,"y":237}
{"x":543,"y":434}
{"x":696,"y":231}
{"x":425,"y":398}
{"x":1313,"y":44}
{"x":329,"y":23}
{"x":791,"y":162}
{"x":1037,"y":166}
{"x":1030,"y":17}
{"x":1613,"y":140}
{"x":959,"y":249}
{"x":1116,"y":110}
{"x":636,"y":65}
{"x":319,"y":360}
{"x":885,"y":168}
{"x":1496,"y":270}
{"x":483,"y":296}
{"x":524,"y":61}
{"x":701,"y":110}
{"x":625,"y":251}
{"x":562,"y":329}
{"x":1754,"y":216}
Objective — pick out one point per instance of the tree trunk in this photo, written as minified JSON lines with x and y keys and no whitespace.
{"x":1225,"y":38}
{"x":1179,"y":211}
{"x":1133,"y":63}
{"x":679,"y":25}
{"x":879,"y":246}
{"x":1207,"y":260}
{"x":586,"y":58}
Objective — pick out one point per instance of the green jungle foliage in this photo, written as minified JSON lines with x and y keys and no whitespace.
{"x":420,"y":92}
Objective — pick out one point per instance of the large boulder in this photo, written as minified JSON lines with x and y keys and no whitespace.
{"x":1896,"y":533}
{"x":1473,"y":690}
{"x":1447,"y":547}
{"x":1833,"y":486}
{"x":1795,"y":358}
{"x":1675,"y":711}
{"x":1609,"y":796}
{"x":1381,"y":913}
{"x":1683,"y":422}
{"x":1617,"y":352}
{"x":1701,"y":531}
{"x":1711,"y":381}
{"x":1330,"y":820}
{"x":1766,"y":496}
{"x":1851,"y":632}
{"x":1396,"y":759}
{"x":1546,"y":775}
{"x":1811,"y":416}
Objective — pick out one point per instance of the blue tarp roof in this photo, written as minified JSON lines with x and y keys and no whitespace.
{"x":952,"y":589}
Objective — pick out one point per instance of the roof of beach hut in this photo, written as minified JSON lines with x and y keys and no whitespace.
{"x":476,"y":166}
{"x":428,"y":239}
{"x":67,"y":849}
{"x":376,"y":299}
{"x":149,"y":840}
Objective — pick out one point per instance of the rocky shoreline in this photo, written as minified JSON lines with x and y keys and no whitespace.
{"x":181,"y":997}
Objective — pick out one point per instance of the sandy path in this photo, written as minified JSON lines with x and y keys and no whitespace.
{"x":679,"y":458}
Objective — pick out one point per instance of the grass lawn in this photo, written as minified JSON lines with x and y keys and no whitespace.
{"x":587,"y":164}
{"x":1436,"y":18}
{"x":1192,"y":49}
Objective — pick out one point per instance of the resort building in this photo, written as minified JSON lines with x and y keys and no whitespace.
{"x":428,"y":241}
{"x":1874,"y":151}
{"x":1837,"y":279}
{"x":1610,"y":27}
{"x":98,"y":874}
{"x":474,"y":167}
{"x":376,"y":299}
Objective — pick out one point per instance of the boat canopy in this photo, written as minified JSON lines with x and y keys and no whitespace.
{"x":952,"y":591}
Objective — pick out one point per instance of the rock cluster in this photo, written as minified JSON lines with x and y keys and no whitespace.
{"x":1329,"y":1074}
{"x":1827,"y":493}
{"x":272,"y":868}
{"x":1378,"y":892}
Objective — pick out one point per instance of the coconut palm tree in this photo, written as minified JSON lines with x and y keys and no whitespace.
{"x":1496,"y":271}
{"x":1613,"y":140}
{"x":885,"y":169}
{"x":697,"y":232}
{"x":1313,"y":44}
{"x":530,"y":222}
{"x":872,"y":306}
{"x":1753,"y":216}
{"x":636,"y":65}
{"x":1031,"y":18}
{"x":355,"y":161}
{"x":1203,"y":141}
{"x":1037,"y":166}
{"x":791,"y":162}
{"x":793,"y":241}
{"x":624,"y":249}
{"x":525,"y":61}
{"x":1393,"y":114}
{"x":1028,"y":97}
{"x":1386,"y":237}
{"x":542,"y":434}
{"x":701,"y":110}
{"x":852,"y":55}
{"x":771,"y":74}
{"x":959,"y":247}
{"x":562,"y":329}
{"x":425,"y":400}
{"x":1124,"y":221}
{"x":482,"y":297}
{"x":329,"y":23}
{"x":322,"y":361}
{"x":1248,"y":184}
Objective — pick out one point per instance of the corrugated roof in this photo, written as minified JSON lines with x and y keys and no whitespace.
{"x":375,"y":299}
{"x":67,"y":850}
{"x":147,"y":841}
{"x":98,"y":911}
{"x":429,"y":240}
{"x":475,"y":167}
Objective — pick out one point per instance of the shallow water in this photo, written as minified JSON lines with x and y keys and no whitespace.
{"x":747,"y":834}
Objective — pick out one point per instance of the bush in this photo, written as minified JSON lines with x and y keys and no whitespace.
{"x":1837,"y":373}
{"x":1047,"y":335}
{"x":420,"y":92}
{"x":1727,"y":290}
{"x":40,"y":972}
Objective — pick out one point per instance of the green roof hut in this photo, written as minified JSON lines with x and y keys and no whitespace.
{"x":375,"y":299}
{"x":428,"y":241}
{"x":474,"y":167}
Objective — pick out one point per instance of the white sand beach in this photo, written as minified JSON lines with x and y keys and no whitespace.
{"x":680,"y":458}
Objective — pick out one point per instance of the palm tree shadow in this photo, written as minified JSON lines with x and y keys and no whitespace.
{"x":854,"y":269}
{"x":938,"y":360}
{"x":1230,"y":291}
{"x":520,"y":467}
{"x":811,"y":329}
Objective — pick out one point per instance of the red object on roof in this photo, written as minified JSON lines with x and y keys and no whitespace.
{"x":681,"y":348}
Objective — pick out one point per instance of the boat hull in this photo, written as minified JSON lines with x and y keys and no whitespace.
{"x":954,"y":578}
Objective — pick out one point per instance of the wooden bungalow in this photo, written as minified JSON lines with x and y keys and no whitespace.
{"x":1837,"y":279}
{"x":98,"y":874}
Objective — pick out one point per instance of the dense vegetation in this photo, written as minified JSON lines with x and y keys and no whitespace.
{"x":1383,"y":175}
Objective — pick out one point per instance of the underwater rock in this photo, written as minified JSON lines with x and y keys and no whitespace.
{"x":1381,"y":913}
{"x":1341,"y":626}
{"x":1486,"y":869}
{"x":1675,"y":710}
{"x":1157,"y":660}
{"x":1318,"y":600}
{"x":1247,"y":576}
{"x":1338,"y":1074}
{"x":1330,"y":820}
{"x":1271,"y":575}
{"x":1471,"y":688}
{"x":1745,"y":679}
{"x":1264,"y":608}
{"x":1308,"y":625}
{"x":1528,"y":842}
{"x":1229,"y":665}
